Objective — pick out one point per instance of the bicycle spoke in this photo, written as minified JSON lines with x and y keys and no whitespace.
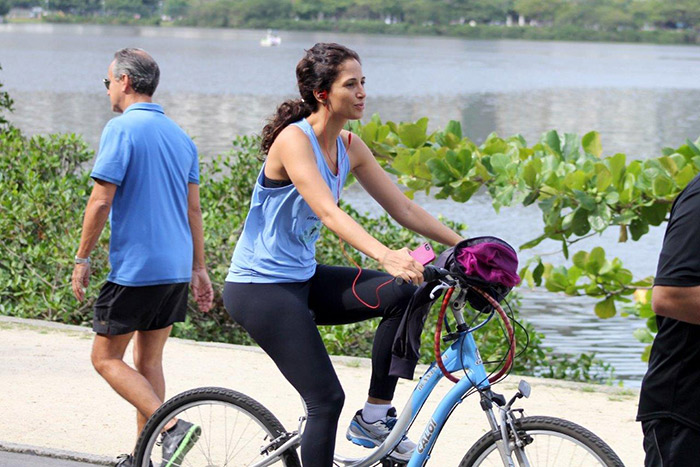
{"x":547,"y":442}
{"x":205,"y":437}
{"x":234,"y":429}
{"x":230,"y":447}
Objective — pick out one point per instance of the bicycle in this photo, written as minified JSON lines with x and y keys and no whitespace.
{"x":237,"y":430}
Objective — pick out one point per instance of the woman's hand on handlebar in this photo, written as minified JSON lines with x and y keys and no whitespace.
{"x":399,"y":263}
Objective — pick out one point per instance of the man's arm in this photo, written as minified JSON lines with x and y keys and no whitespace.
{"x":676,"y":292}
{"x":681,"y":303}
{"x":201,"y":285}
{"x":96,"y":214}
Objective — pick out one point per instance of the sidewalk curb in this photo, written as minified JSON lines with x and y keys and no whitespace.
{"x":38,"y":323}
{"x":56,"y":453}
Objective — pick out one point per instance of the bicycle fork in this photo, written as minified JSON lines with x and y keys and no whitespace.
{"x":503,"y":425}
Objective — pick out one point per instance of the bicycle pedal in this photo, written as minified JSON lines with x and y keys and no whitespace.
{"x":388,"y":462}
{"x":276,"y":443}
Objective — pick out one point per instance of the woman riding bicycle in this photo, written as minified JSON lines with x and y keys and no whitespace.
{"x":277,"y":291}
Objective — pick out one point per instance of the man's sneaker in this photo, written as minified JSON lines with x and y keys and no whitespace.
{"x":371,"y":435}
{"x":178,"y":441}
{"x":127,"y":460}
{"x":124,"y":460}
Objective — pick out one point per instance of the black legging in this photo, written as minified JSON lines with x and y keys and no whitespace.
{"x":282,"y":319}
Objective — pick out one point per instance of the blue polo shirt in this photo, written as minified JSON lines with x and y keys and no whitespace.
{"x":151,"y":160}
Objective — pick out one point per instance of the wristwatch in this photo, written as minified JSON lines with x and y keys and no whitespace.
{"x":79,"y":260}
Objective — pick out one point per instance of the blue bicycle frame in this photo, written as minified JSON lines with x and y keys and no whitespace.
{"x":462,"y":355}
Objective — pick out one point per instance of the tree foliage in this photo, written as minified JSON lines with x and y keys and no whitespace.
{"x":438,"y":16}
{"x":6,"y":104}
{"x":176,"y":8}
{"x":579,"y":191}
{"x":142,"y":8}
{"x":4,"y":7}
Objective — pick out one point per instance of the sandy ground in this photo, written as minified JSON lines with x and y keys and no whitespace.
{"x":51,"y":397}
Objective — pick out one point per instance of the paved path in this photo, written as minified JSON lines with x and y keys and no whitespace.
{"x":13,"y":459}
{"x":51,"y":397}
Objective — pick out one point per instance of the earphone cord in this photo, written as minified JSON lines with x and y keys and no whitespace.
{"x":357,"y":277}
{"x":326,"y":144}
{"x":342,"y":244}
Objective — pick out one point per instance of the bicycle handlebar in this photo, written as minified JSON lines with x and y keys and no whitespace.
{"x":430,"y":273}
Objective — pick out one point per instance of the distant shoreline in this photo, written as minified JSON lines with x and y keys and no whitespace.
{"x":462,"y":31}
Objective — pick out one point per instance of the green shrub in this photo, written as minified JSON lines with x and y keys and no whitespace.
{"x":42,"y":198}
{"x":6,"y":103}
{"x":44,"y":187}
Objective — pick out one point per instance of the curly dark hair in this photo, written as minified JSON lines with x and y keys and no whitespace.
{"x":315,"y":72}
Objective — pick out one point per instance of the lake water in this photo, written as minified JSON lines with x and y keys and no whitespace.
{"x":219,"y":83}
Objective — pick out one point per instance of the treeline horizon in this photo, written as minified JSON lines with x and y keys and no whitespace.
{"x":627,"y":20}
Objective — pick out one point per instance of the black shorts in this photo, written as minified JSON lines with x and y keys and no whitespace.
{"x":668,"y":443}
{"x":121,"y":309}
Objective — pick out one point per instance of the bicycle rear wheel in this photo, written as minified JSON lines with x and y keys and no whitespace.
{"x":234,"y":430}
{"x":549,"y":442}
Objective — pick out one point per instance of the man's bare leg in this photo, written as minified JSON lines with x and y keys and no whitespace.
{"x":107,"y":358}
{"x":148,"y":359}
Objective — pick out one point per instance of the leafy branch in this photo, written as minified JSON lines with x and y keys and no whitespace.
{"x":580,"y":193}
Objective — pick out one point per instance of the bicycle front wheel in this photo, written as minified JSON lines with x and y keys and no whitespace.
{"x":230,"y":429}
{"x":548,"y":442}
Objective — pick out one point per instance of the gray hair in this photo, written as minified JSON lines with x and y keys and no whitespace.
{"x":140,"y":67}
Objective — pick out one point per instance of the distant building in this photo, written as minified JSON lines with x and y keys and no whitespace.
{"x":19,"y":13}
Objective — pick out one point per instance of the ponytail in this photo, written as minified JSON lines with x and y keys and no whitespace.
{"x":288,"y":112}
{"x":315,"y":72}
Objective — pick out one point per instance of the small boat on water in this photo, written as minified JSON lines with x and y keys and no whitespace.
{"x":271,"y":40}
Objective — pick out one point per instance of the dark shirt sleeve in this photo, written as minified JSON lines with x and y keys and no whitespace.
{"x":679,"y":261}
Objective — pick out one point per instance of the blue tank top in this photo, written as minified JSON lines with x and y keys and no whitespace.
{"x":278,"y":242}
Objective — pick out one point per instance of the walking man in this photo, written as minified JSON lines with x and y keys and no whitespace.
{"x":669,"y":404}
{"x":147,"y":182}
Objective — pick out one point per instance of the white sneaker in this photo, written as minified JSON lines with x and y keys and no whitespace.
{"x":371,"y":435}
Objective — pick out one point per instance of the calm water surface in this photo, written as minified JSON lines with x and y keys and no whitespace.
{"x":220,"y":83}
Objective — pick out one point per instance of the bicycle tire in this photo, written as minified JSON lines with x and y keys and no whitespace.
{"x":565,"y":439}
{"x":214,"y":410}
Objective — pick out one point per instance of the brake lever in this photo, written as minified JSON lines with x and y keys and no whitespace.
{"x":444,"y":284}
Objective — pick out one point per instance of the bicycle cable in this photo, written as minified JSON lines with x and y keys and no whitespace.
{"x":475,"y":387}
{"x":511,"y":316}
{"x":507,"y":361}
{"x":511,"y":335}
{"x":471,"y":329}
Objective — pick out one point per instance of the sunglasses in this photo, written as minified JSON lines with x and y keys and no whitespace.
{"x":106,"y":82}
